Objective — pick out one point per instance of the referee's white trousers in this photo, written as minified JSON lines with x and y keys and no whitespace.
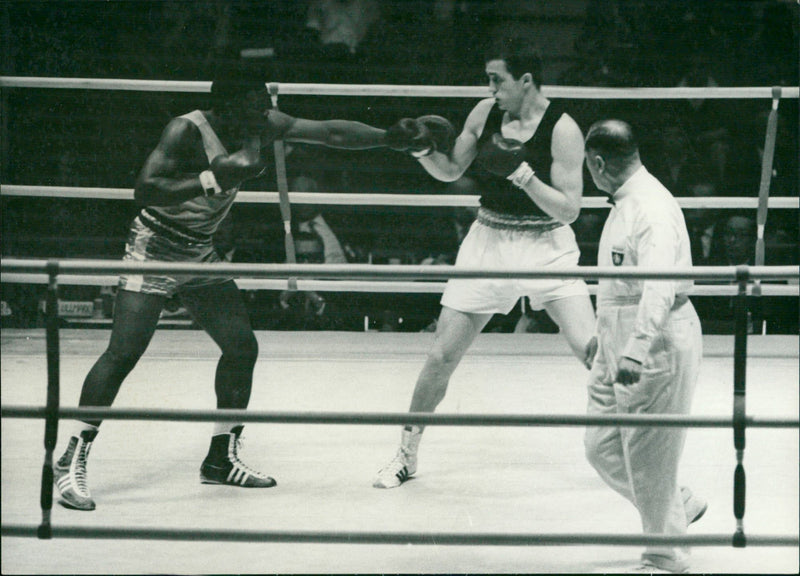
{"x":641,"y":463}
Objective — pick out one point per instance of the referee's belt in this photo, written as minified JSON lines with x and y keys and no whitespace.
{"x":680,"y":300}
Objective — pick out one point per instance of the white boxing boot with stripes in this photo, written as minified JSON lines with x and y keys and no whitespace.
{"x":223,"y":466}
{"x":404,"y":465}
{"x":69,"y":473}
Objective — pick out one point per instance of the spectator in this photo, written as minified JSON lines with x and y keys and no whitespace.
{"x":702,"y":222}
{"x":773,"y":50}
{"x":733,"y":245}
{"x":312,"y":221}
{"x":675,"y":163}
{"x":305,"y":310}
{"x":705,"y":120}
{"x":186,"y":54}
{"x":737,"y":242}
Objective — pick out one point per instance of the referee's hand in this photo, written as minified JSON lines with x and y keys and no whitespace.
{"x":629,"y":371}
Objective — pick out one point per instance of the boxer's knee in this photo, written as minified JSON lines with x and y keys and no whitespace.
{"x":243,"y":348}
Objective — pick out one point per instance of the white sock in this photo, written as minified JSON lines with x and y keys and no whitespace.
{"x":78,"y":426}
{"x":410,"y":439}
{"x":224,"y":427}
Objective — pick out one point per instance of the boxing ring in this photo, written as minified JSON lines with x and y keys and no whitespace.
{"x":468,"y":507}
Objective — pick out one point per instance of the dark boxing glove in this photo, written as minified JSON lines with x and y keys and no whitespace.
{"x":230,"y":171}
{"x":506,"y":157}
{"x":501,"y":156}
{"x":409,"y":135}
{"x":442,"y":132}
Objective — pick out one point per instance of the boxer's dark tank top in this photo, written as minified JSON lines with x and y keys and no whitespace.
{"x":499,"y":194}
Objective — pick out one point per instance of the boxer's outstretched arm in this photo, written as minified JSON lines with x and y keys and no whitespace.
{"x":449,"y":168}
{"x":334,"y":133}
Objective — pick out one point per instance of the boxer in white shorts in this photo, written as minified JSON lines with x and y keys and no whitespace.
{"x":529,"y":156}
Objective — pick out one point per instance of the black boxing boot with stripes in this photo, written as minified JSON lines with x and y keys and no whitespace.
{"x":69,"y":473}
{"x":223,"y":466}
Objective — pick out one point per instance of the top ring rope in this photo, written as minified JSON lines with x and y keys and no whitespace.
{"x":355,"y":199}
{"x":574,"y":92}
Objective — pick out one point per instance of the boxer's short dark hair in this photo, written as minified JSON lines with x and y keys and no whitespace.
{"x":520,"y":54}
{"x":232,"y":81}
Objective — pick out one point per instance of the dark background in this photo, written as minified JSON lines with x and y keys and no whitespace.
{"x":97,"y":138}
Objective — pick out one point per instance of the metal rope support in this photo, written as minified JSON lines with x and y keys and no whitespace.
{"x":53,"y":399}
{"x":739,"y":412}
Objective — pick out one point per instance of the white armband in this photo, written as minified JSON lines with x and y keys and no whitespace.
{"x":209,"y":183}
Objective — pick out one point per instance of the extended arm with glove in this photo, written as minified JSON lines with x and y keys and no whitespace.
{"x":422,"y":136}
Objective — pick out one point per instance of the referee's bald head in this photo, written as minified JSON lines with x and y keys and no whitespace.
{"x":614,"y":141}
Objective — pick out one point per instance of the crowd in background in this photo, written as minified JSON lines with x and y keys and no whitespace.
{"x":701,"y":147}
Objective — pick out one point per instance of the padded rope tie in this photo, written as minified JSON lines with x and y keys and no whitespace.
{"x":283,"y":191}
{"x":766,"y":177}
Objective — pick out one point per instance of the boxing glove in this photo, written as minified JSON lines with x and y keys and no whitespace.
{"x":231,"y":170}
{"x":506,"y":157}
{"x":441,"y":130}
{"x":501,"y":156}
{"x":409,"y":135}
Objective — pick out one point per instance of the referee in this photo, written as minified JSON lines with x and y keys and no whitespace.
{"x":649,"y":344}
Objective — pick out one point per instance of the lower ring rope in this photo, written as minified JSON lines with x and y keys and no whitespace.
{"x":421,"y":538}
{"x":418,"y":418}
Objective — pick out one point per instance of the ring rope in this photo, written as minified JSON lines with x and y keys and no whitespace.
{"x":393,"y":271}
{"x":370,"y":199}
{"x":400,"y":418}
{"x":421,"y":538}
{"x":742,"y":274}
{"x":316,"y":89}
{"x":394,"y":286}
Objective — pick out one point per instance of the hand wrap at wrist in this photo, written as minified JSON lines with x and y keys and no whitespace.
{"x":522,"y":176}
{"x":209,"y":183}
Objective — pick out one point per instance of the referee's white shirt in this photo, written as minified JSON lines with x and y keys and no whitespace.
{"x":645,"y":228}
